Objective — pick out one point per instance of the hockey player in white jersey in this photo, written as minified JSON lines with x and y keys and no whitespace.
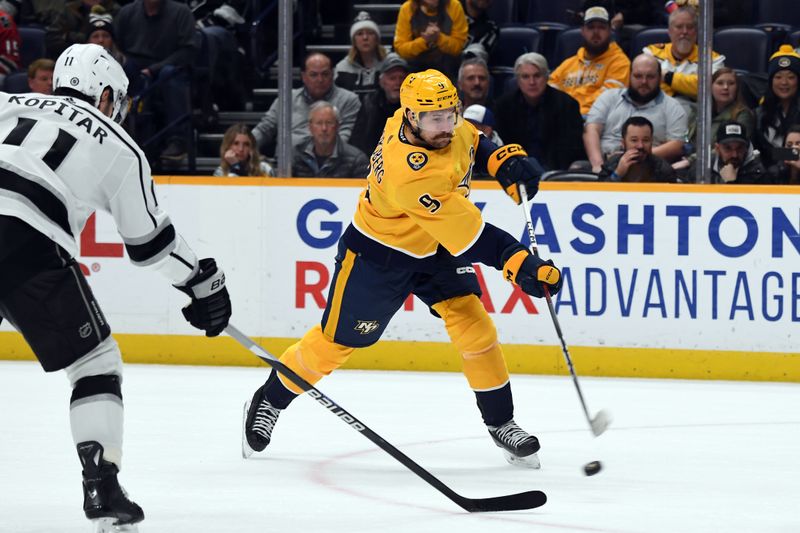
{"x":62,"y":158}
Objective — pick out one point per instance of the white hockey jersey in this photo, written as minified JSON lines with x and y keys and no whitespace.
{"x":61,"y":159}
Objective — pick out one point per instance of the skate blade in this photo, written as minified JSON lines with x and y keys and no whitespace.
{"x":247,"y":451}
{"x":530,"y":461}
{"x":106,"y":525}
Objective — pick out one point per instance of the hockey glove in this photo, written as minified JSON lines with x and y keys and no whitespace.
{"x":510,"y":166}
{"x":210,"y":308}
{"x":530,"y":272}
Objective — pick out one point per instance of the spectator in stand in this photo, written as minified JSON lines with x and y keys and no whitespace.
{"x":679,"y":57}
{"x":158,"y":37}
{"x":544,"y":120}
{"x":733,"y":159}
{"x":779,"y":109}
{"x":72,"y":24}
{"x":602,"y":135}
{"x":379,"y":105}
{"x":431,"y":34}
{"x":239,"y":156}
{"x":473,"y":82}
{"x":358,"y":72}
{"x":9,"y":41}
{"x":325,"y":154}
{"x":636,"y":162}
{"x":600,"y":64}
{"x":728,"y":104}
{"x":317,"y":76}
{"x":787,"y":171}
{"x":101,"y":32}
{"x":40,"y":76}
{"x":482,"y":31}
{"x":483,"y":119}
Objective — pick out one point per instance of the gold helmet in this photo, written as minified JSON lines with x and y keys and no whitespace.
{"x":428,"y":90}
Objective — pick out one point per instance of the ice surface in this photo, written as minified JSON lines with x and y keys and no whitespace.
{"x":680,"y":456}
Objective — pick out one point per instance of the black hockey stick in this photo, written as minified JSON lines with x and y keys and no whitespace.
{"x":601,"y":421}
{"x":512,"y":502}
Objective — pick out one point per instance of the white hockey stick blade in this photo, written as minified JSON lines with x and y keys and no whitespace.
{"x":600,"y":422}
{"x":106,"y":525}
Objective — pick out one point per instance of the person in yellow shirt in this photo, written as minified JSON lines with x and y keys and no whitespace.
{"x":600,"y":64}
{"x":416,"y":232}
{"x":679,"y":58}
{"x":431,"y":34}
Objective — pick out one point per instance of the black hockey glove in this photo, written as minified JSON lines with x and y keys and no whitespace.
{"x":510,"y":165}
{"x":531,"y":272}
{"x":210,"y":308}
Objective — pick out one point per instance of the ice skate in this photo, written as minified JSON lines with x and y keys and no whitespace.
{"x":259,"y":421}
{"x":519,"y":447}
{"x":105,"y":502}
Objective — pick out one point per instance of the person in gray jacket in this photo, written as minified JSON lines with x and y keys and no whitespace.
{"x":325,"y":153}
{"x":317,"y":76}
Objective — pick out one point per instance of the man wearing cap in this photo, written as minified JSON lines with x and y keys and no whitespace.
{"x":734,"y":160}
{"x":358,"y":71}
{"x":600,"y":64}
{"x":378,"y":106}
{"x":545,"y":121}
{"x":473,"y":82}
{"x":780,"y":108}
{"x":483,"y":119}
{"x":679,"y":58}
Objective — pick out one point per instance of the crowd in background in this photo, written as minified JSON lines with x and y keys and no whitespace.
{"x":620,"y":114}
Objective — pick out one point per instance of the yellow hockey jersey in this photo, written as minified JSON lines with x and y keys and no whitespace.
{"x":416,"y":198}
{"x":684,"y":77}
{"x":585,"y":79}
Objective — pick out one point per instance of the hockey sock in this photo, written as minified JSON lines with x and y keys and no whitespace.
{"x":276,"y":392}
{"x":96,"y":414}
{"x":496,"y":406}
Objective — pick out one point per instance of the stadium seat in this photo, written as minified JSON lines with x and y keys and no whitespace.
{"x":502,"y":81}
{"x":563,"y":11}
{"x":569,"y":175}
{"x":16,"y":83}
{"x":778,"y":11}
{"x":567,"y":44}
{"x":651,"y":35}
{"x":744,"y":48}
{"x":512,"y":43}
{"x":794,"y":38}
{"x":31,"y":45}
{"x":503,"y":12}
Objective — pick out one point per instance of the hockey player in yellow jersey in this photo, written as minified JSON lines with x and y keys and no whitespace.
{"x":416,"y":232}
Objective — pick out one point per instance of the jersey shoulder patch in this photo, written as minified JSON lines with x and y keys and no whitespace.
{"x":416,"y":160}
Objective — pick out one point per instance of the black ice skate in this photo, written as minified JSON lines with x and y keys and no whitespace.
{"x":519,"y":447}
{"x":259,"y":420}
{"x":105,"y":502}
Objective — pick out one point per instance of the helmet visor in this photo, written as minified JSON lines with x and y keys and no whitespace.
{"x":440,"y":121}
{"x":122,"y":109}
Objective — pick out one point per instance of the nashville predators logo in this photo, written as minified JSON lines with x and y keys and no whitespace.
{"x":365,"y":327}
{"x":416,"y":160}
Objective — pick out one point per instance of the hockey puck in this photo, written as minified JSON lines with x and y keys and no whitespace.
{"x":592,"y":468}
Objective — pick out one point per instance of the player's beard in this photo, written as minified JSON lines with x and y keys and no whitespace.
{"x":441,"y":140}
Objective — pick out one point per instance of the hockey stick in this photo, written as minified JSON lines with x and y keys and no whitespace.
{"x":511,"y":502}
{"x":601,"y":421}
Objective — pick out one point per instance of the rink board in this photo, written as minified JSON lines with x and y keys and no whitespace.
{"x":660,"y":280}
